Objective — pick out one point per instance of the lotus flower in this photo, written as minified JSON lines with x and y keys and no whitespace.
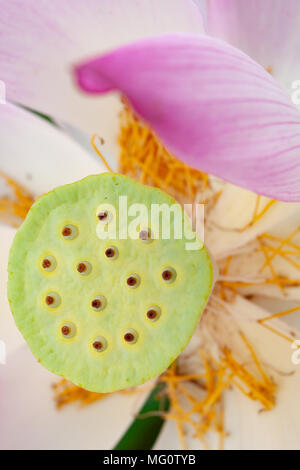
{"x":212,"y":81}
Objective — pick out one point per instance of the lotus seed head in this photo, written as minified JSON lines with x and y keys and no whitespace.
{"x":105,"y":325}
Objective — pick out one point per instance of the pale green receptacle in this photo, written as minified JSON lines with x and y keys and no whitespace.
{"x":73,"y":298}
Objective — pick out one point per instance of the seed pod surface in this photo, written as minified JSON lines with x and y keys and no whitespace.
{"x":143,"y":300}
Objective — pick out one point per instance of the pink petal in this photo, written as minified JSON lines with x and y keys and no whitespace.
{"x":267,"y":30}
{"x":41,"y":40}
{"x":213,"y":107}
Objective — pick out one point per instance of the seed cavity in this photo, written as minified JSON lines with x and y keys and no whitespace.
{"x":68,"y":330}
{"x":153,"y":313}
{"x":131,"y":336}
{"x":99,"y":344}
{"x":53,"y":300}
{"x":146,"y":235}
{"x":49,"y":263}
{"x":112,"y":252}
{"x":133,"y":281}
{"x":98,"y":303}
{"x":169,"y":275}
{"x":84,"y":268}
{"x":104,"y":216}
{"x":69,"y":232}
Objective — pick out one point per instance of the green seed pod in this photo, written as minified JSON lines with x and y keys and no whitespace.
{"x":105,"y":311}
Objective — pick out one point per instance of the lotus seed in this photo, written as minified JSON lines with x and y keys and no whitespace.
{"x":84,"y":268}
{"x":131,"y":336}
{"x":49,"y":263}
{"x":69,"y":232}
{"x":133,"y":281}
{"x":49,"y":300}
{"x":68,"y":330}
{"x":111,"y":252}
{"x":52,"y":300}
{"x":81,"y":268}
{"x":99,"y":344}
{"x":169,"y":275}
{"x":102,"y":215}
{"x":153,"y":313}
{"x":98,"y":303}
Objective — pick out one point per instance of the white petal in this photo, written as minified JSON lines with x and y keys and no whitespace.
{"x":280,"y":427}
{"x":41,"y":41}
{"x":29,"y":419}
{"x":39,"y":155}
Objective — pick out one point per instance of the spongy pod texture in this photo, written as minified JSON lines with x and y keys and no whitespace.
{"x":105,"y":310}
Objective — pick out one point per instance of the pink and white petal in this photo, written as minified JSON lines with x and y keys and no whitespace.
{"x":41,"y":40}
{"x":267,"y":30}
{"x":38,"y":154}
{"x":212,"y":106}
{"x":29,"y":419}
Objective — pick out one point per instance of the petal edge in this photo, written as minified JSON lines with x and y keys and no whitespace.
{"x":212,"y":106}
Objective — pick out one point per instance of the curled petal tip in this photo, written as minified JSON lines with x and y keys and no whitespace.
{"x":89,"y":80}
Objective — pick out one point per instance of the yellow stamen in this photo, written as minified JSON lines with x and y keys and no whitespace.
{"x":144,"y":158}
{"x":278,"y":315}
{"x":14,"y":211}
{"x":93,"y":142}
{"x":281,"y":245}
